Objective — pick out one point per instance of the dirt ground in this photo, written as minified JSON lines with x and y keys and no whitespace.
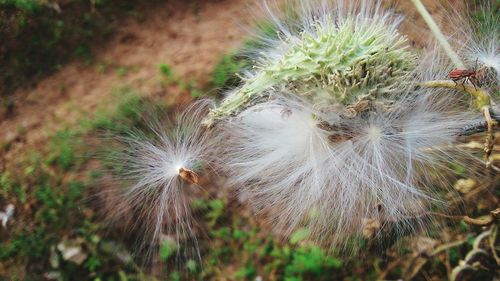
{"x":189,"y":37}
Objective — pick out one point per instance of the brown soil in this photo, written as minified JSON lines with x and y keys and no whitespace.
{"x":190,"y":37}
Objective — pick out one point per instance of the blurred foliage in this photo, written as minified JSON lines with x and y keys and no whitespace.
{"x":127,"y":110}
{"x":226,"y":71}
{"x":38,"y":35}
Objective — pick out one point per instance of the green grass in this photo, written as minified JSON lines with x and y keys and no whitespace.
{"x":191,"y":87}
{"x":225,"y":73}
{"x":25,"y":5}
{"x":168,"y":77}
{"x":63,"y":147}
{"x":125,"y":116}
{"x":166,"y":70}
{"x":58,"y":210}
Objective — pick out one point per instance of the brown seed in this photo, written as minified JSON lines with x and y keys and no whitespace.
{"x":336,"y":138}
{"x":188,"y":175}
{"x":325,"y":126}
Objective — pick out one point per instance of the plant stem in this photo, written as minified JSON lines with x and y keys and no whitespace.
{"x":438,"y":34}
{"x":482,"y":97}
{"x":483,"y":102}
{"x":476,"y":128}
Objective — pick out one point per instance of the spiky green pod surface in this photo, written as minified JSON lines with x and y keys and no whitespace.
{"x":331,"y":63}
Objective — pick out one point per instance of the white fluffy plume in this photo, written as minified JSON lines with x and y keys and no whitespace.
{"x":376,"y":151}
{"x":478,"y":41}
{"x":482,"y":41}
{"x":348,"y":49}
{"x":332,"y":173}
{"x":160,"y":168}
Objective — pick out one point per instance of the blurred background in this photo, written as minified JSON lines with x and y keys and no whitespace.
{"x":72,"y":69}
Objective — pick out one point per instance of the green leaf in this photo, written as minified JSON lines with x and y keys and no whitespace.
{"x":166,"y":70}
{"x":167,"y":249}
{"x":299,"y":235}
{"x":191,"y":266}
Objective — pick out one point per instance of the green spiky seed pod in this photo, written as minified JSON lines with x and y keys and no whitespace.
{"x":331,"y":63}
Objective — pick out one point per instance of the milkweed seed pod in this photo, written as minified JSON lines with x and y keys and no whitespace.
{"x":331,"y":132}
{"x":332,"y":54}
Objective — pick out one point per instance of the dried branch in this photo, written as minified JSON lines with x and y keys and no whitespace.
{"x":481,"y":221}
{"x":482,"y":126}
